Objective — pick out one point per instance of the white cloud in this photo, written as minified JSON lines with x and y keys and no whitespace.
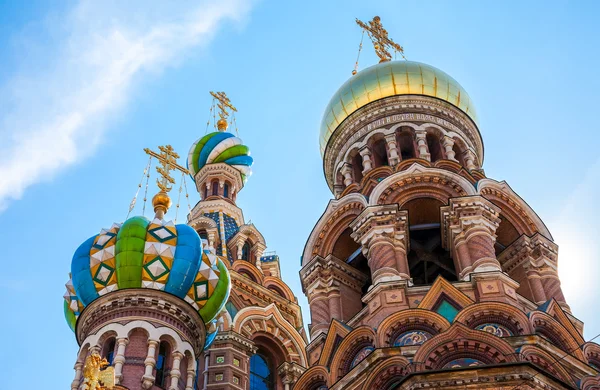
{"x":55,"y":111}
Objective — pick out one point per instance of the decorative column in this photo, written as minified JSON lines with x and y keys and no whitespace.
{"x":257,"y":251}
{"x":421,"y":136}
{"x":191,"y":374}
{"x":535,"y":284}
{"x":383,"y":233}
{"x":469,"y":232}
{"x":448,"y":144}
{"x":347,"y":173}
{"x":119,"y":359}
{"x":175,"y":373}
{"x":470,"y":160}
{"x":365,"y":153}
{"x":240,"y":247}
{"x":78,"y":372}
{"x":149,"y":362}
{"x":289,"y":374}
{"x":392,"y":143}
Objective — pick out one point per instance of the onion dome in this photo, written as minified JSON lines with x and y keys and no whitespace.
{"x":147,"y":254}
{"x":391,"y":78}
{"x":220,"y":147}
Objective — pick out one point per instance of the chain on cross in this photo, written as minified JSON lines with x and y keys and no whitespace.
{"x":224,"y":104}
{"x":380,"y":39}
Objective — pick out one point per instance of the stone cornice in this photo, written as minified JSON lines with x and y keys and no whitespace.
{"x":220,"y":171}
{"x":467,"y":212}
{"x":382,"y":220}
{"x":319,"y":269}
{"x":232,"y":337}
{"x":394,"y":110}
{"x":536,"y":251}
{"x":215,"y":205}
{"x":148,"y":304}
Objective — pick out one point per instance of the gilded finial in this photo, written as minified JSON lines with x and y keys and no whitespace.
{"x":224,"y":107}
{"x":379,"y":37}
{"x":168,"y":161}
{"x":96,"y":376}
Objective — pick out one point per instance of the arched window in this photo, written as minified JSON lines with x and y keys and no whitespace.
{"x":109,"y":350}
{"x":379,"y":151}
{"x":246,"y":251}
{"x":357,"y":167}
{"x":435,"y":148}
{"x":407,"y":146}
{"x":261,"y":373}
{"x":161,"y":363}
{"x":226,"y":190}
{"x":215,"y":188}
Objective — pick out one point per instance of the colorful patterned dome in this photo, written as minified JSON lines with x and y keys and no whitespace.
{"x":220,"y":147}
{"x":147,"y":254}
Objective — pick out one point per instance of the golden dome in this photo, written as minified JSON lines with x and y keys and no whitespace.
{"x":389,"y":79}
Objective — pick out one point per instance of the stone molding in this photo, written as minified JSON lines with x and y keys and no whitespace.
{"x":219,"y":171}
{"x":143,"y":304}
{"x":320,"y":270}
{"x":409,"y":109}
{"x":381,"y":221}
{"x":215,"y":205}
{"x":536,"y":251}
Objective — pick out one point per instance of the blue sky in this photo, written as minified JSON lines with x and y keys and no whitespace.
{"x":85,"y":86}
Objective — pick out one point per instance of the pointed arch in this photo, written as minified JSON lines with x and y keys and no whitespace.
{"x":246,"y":268}
{"x":555,"y":332}
{"x":268,"y":320}
{"x":314,"y":378}
{"x":410,"y":320}
{"x":278,"y":286}
{"x":545,"y":361}
{"x":499,"y":313}
{"x":462,"y":342}
{"x":386,"y":374}
{"x":355,"y":342}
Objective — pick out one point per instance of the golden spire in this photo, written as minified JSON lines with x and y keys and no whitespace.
{"x":168,"y":159}
{"x":224,"y":105}
{"x":379,"y":37}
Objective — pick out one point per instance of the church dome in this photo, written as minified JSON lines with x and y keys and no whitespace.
{"x":153,"y":254}
{"x":220,"y":147}
{"x":391,"y":78}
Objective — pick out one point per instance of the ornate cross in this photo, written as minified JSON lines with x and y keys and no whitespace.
{"x":168,"y":159}
{"x":224,"y":104}
{"x":379,"y":37}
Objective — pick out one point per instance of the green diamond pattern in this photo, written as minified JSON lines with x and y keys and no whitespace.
{"x":161,"y":233}
{"x":103,"y":274}
{"x":201,"y":291}
{"x":156,"y":268}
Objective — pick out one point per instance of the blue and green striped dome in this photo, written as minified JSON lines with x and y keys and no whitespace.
{"x":220,"y":147}
{"x":147,"y":254}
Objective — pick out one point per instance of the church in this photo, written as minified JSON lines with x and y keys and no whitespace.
{"x":422,"y":272}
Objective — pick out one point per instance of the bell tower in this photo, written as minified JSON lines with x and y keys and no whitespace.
{"x":422,"y":271}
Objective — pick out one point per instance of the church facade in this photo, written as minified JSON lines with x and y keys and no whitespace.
{"x":422,"y":272}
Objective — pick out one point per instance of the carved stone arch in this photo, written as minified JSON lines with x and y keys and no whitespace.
{"x":373,"y":177}
{"x":250,"y":231}
{"x":417,"y":320}
{"x":419,"y":181}
{"x":498,"y":313}
{"x":385,"y":375}
{"x":321,"y":238}
{"x":515,"y":209}
{"x":268,"y":320}
{"x":591,"y":351}
{"x":590,"y":383}
{"x":248,"y":269}
{"x":461,"y":342}
{"x":544,"y":360}
{"x":281,"y":288}
{"x":313,"y":378}
{"x":357,"y":340}
{"x":402,"y":126}
{"x":203,"y":222}
{"x":548,"y":327}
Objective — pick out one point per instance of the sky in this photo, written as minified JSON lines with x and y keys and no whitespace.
{"x":85,"y":86}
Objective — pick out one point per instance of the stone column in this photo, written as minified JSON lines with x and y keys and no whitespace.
{"x":149,"y":362}
{"x":191,"y":374}
{"x":257,"y":251}
{"x":448,"y":144}
{"x":240,"y":246}
{"x":421,"y":136}
{"x":289,"y":374}
{"x":365,"y":153}
{"x":347,"y":172}
{"x":175,"y":373}
{"x":78,"y":372}
{"x":119,"y":359}
{"x":470,"y":160}
{"x":535,"y":284}
{"x":393,"y":155}
{"x":469,"y":231}
{"x":383,"y":233}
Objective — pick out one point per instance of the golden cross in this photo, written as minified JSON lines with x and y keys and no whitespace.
{"x":168,"y":159}
{"x":224,"y":104}
{"x":379,"y":37}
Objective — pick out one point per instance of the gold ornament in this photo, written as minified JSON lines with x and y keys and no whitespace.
{"x":95,"y":377}
{"x":224,"y":105}
{"x":379,"y":37}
